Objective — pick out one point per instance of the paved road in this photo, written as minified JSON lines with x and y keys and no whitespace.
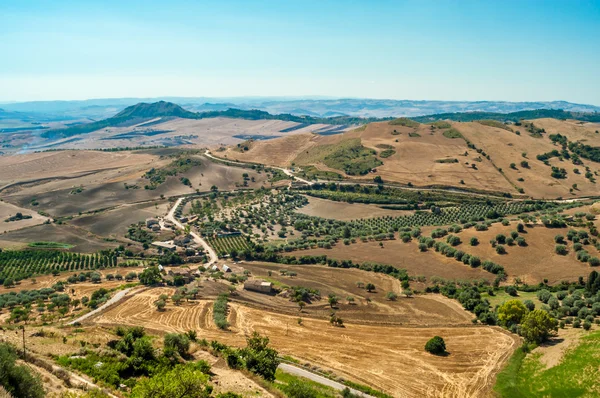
{"x":287,"y":172}
{"x":295,"y":370}
{"x":114,"y":299}
{"x":197,"y":238}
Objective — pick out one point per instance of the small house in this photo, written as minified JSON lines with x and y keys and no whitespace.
{"x":258,"y":285}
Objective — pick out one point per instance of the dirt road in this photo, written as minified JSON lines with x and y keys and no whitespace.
{"x":197,"y":238}
{"x":287,"y":172}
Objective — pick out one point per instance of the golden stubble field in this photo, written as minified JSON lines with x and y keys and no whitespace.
{"x":391,"y":358}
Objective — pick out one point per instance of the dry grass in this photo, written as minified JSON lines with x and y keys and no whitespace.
{"x":343,"y":211}
{"x":415,"y":157}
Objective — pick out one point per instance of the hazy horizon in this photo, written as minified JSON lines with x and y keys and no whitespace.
{"x":517,"y":51}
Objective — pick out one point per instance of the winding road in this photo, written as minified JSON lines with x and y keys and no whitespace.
{"x":213,"y":258}
{"x":287,"y":172}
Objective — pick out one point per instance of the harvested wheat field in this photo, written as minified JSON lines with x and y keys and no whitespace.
{"x":401,"y":255}
{"x":343,"y":211}
{"x":365,"y":308}
{"x":390,"y":358}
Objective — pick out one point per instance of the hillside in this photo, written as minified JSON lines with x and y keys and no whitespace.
{"x":146,"y":111}
{"x":546,"y":158}
{"x":512,"y":116}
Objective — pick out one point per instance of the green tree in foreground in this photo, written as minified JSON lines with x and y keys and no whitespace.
{"x":150,"y":276}
{"x":436,"y":345}
{"x":183,"y":381}
{"x":537,"y":326}
{"x":260,"y":359}
{"x":18,"y":381}
{"x":511,"y":312}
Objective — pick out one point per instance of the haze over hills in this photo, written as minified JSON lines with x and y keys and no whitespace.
{"x":321,"y":107}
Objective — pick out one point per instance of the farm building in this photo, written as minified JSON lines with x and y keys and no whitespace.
{"x":184,"y":273}
{"x":182,"y":240}
{"x":258,"y":285}
{"x":225,"y":268}
{"x":226,"y":234}
{"x":165,"y":245}
{"x":151,"y":222}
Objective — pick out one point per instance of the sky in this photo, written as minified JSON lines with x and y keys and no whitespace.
{"x":431,"y":50}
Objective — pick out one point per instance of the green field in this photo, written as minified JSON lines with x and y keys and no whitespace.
{"x":50,"y":245}
{"x":18,"y":265}
{"x":577,"y":375}
{"x":226,"y":244}
{"x":283,"y":381}
{"x":501,"y":296}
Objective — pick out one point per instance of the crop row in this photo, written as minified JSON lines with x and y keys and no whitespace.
{"x":228,"y":243}
{"x":18,"y":265}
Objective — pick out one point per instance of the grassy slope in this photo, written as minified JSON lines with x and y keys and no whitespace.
{"x":575,"y":376}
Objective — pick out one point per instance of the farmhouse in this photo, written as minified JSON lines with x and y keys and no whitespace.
{"x":258,"y":285}
{"x":165,"y":245}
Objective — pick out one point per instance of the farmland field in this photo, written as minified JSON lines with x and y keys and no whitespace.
{"x":228,"y":243}
{"x":318,"y":207}
{"x":396,"y":364}
{"x":402,"y":255}
{"x":17,"y":265}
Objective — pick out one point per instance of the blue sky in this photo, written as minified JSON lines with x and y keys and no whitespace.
{"x":444,"y":50}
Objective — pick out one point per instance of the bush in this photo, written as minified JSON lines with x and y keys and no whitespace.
{"x":512,"y":291}
{"x":500,"y":249}
{"x":220,"y":312}
{"x":561,"y":250}
{"x":436,"y":346}
{"x":300,"y":389}
{"x":179,"y":343}
{"x":474,"y":241}
{"x":474,"y":261}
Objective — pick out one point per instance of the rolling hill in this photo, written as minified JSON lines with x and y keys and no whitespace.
{"x":143,"y":112}
{"x":544,"y":158}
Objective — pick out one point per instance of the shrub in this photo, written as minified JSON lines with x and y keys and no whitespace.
{"x":300,"y":389}
{"x":500,"y":249}
{"x":561,"y":250}
{"x":220,"y":312}
{"x":512,"y":291}
{"x":474,"y":241}
{"x":529,"y":305}
{"x":436,"y":346}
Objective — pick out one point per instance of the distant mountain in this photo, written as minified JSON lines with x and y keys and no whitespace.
{"x":313,"y":106}
{"x":143,"y":111}
{"x":157,"y":109}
